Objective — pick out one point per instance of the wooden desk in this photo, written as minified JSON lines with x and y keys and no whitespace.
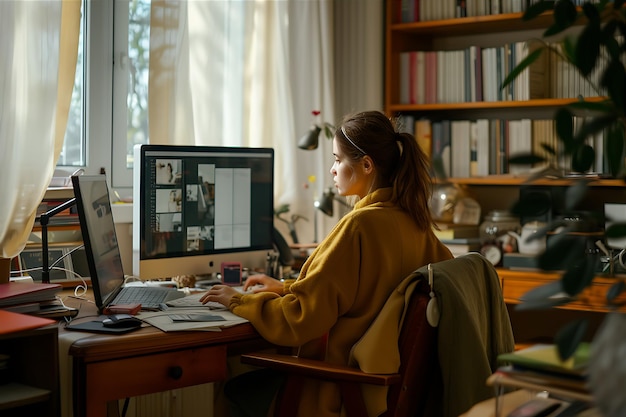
{"x":516,"y":283}
{"x":540,"y":326}
{"x":112,"y":367}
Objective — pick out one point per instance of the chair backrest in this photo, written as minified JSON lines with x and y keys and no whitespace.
{"x":421,"y":381}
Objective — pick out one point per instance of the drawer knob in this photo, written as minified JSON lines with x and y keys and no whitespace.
{"x":175,"y":372}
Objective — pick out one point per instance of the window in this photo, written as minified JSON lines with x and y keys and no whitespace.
{"x":130,"y":85}
{"x":73,"y":152}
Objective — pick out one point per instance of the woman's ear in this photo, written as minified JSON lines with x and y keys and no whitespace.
{"x":368,"y":164}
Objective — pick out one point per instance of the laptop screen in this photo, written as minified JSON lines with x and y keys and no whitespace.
{"x":98,"y":230}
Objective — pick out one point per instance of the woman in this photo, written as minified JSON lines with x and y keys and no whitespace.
{"x":347,"y":279}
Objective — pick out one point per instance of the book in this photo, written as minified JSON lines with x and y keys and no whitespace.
{"x":11,"y":322}
{"x":449,"y":231}
{"x":423,"y":136}
{"x":12,"y":293}
{"x":545,"y":357}
{"x":462,"y":246}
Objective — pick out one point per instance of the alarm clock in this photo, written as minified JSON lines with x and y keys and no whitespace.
{"x":492,"y":251}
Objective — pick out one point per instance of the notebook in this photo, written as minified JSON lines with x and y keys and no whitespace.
{"x":102,"y":252}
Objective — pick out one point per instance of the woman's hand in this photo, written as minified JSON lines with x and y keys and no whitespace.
{"x":260,"y":282}
{"x":219,"y":293}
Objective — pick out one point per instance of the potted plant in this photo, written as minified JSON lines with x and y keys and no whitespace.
{"x":596,"y":47}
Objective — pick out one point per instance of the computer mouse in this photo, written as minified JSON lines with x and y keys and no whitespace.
{"x":121,"y":321}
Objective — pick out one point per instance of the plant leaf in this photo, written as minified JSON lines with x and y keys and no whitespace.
{"x":587,"y":47}
{"x":569,"y":337}
{"x":525,"y":159}
{"x":576,"y":193}
{"x":583,"y":158}
{"x":562,"y":250}
{"x":615,"y":230}
{"x":536,"y":9}
{"x":532,"y":57}
{"x":565,"y":14}
{"x":579,"y":274}
{"x":614,"y":81}
{"x":615,"y":291}
{"x":564,"y":125}
{"x":614,"y":149}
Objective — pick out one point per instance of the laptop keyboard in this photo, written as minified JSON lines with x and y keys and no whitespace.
{"x":149,"y":298}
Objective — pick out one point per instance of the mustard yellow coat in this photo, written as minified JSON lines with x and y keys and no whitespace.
{"x":341,"y":288}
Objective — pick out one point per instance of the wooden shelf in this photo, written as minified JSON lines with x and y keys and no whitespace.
{"x":14,"y":395}
{"x":515,"y":283}
{"x":33,"y":378}
{"x":475,"y":25}
{"x":513,"y":180}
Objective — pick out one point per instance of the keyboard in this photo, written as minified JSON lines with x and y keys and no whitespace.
{"x":193,"y":300}
{"x":150,"y":298}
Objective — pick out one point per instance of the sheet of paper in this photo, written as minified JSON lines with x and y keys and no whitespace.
{"x":162,"y":321}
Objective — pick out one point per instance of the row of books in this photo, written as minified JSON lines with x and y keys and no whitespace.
{"x":540,"y":368}
{"x":471,"y":148}
{"x":459,"y":238}
{"x":476,"y":74}
{"x":423,"y":10}
{"x":33,"y":298}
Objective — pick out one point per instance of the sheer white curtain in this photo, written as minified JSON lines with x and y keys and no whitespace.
{"x":38,"y":47}
{"x":246,"y":73}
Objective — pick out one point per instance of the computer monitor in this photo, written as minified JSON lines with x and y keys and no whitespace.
{"x":195,"y":207}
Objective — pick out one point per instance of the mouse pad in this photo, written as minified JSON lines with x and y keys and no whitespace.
{"x":97,"y":327}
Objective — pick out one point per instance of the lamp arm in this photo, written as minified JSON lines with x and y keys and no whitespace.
{"x":44,"y":219}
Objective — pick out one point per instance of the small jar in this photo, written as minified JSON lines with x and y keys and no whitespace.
{"x":494,"y":237}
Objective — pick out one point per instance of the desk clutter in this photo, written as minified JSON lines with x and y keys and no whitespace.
{"x":542,"y":384}
{"x":35,"y":299}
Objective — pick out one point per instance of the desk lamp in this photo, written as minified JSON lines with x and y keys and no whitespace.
{"x":325,"y":204}
{"x":44,"y":219}
{"x":310,"y":139}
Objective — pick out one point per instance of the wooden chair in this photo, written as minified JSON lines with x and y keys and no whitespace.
{"x":443,"y":367}
{"x":410,"y":390}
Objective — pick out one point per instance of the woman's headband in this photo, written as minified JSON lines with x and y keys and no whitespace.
{"x":343,"y":130}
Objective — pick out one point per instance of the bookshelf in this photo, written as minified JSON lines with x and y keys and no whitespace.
{"x":30,"y":382}
{"x":442,"y":32}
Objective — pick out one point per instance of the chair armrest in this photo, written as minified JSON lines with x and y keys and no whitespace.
{"x":318,"y":369}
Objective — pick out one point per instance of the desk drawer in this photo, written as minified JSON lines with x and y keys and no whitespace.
{"x":140,"y":375}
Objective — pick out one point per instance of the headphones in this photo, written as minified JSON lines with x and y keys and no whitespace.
{"x":432,"y":308}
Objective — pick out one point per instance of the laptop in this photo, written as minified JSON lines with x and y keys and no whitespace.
{"x":102,"y":251}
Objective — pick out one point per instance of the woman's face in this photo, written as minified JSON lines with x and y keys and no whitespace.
{"x":349,"y":177}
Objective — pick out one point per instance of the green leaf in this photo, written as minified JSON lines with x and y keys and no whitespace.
{"x":569,"y":337}
{"x":532,"y":204}
{"x":614,"y":80}
{"x":615,"y":230}
{"x":562,"y":250}
{"x":592,"y":126}
{"x":565,"y":13}
{"x":615,"y":291}
{"x":590,"y":11}
{"x":587,"y":47}
{"x":614,"y":150}
{"x":525,"y":159}
{"x":583,"y":158}
{"x":575,"y":194}
{"x":548,"y":148}
{"x":536,"y":9}
{"x":543,"y":297}
{"x":532,"y":57}
{"x":592,"y":106}
{"x":564,"y":124}
{"x":549,"y":290}
{"x":579,"y":274}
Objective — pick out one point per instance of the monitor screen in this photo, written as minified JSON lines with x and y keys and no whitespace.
{"x":195,"y":207}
